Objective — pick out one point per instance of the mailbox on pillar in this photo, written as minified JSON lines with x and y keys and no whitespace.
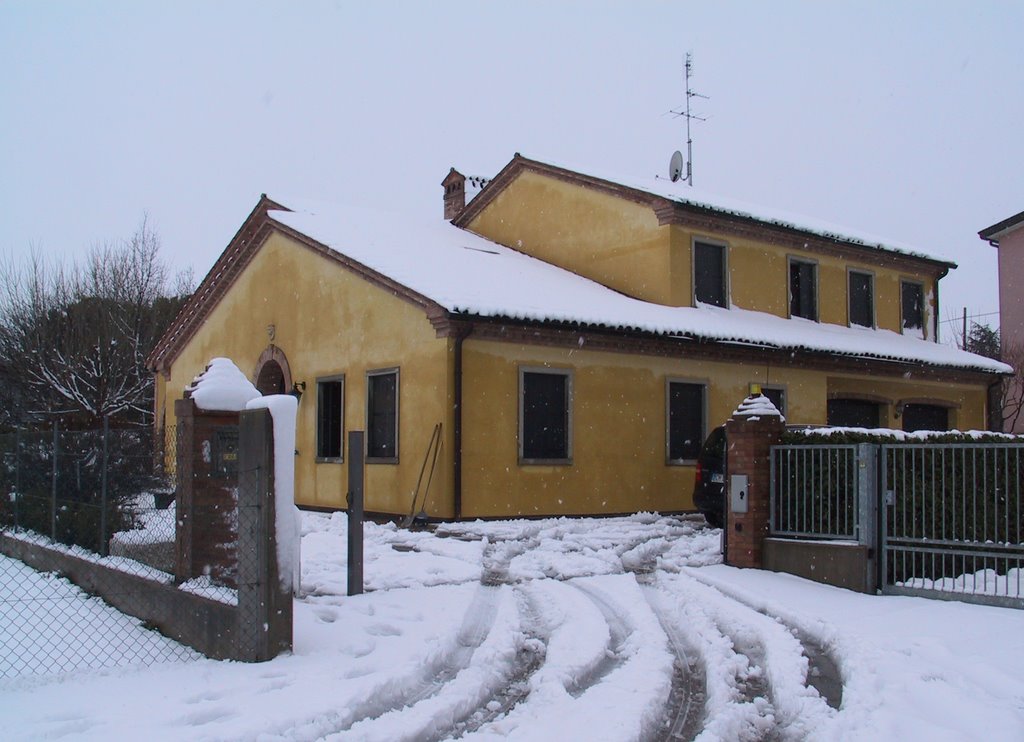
{"x":738,"y":493}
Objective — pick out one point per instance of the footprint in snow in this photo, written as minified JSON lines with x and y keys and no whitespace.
{"x":208,"y":716}
{"x":383,"y":629}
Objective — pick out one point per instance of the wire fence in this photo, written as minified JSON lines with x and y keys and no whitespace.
{"x":104,"y":498}
{"x":105,"y":491}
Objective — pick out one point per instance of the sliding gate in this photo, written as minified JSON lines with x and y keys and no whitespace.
{"x":953,"y":523}
{"x":940,"y":520}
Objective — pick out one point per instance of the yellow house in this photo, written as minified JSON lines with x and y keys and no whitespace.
{"x":562,"y":343}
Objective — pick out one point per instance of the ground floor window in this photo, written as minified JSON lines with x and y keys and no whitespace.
{"x":330,"y":411}
{"x":853,"y":413}
{"x":545,"y":416}
{"x":778,"y":397}
{"x":925,"y":417}
{"x":685,"y":402}
{"x":382,"y":416}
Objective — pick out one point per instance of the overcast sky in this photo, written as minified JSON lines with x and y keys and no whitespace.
{"x":898,"y":119}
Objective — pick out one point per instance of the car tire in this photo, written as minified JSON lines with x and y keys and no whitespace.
{"x":714,"y":520}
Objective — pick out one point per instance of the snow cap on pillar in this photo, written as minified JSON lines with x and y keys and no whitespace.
{"x":222,"y":387}
{"x":757,"y":406}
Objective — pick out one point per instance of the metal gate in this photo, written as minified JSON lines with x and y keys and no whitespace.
{"x":952,"y":522}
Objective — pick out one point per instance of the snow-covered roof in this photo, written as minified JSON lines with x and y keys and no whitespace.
{"x":687,"y":195}
{"x":467,"y":274}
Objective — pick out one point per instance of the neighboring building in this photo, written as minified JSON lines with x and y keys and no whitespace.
{"x":1008,"y":237}
{"x":574,"y":336}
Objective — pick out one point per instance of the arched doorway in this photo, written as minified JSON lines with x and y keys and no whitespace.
{"x":271,"y":379}
{"x":273,"y":375}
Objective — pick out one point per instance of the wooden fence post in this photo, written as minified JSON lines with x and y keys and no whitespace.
{"x":264,"y":595}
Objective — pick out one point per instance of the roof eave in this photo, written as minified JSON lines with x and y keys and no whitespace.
{"x":572,"y":333}
{"x":999,"y":229}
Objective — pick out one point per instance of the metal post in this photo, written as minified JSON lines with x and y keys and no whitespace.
{"x":103,"y":487}
{"x":867,"y":509}
{"x":17,"y":476}
{"x":53,"y":482}
{"x":355,"y":512}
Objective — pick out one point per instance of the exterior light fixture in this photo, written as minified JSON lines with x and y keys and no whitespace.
{"x":297,"y":389}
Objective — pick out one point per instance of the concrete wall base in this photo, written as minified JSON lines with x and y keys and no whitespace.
{"x":846,"y":565}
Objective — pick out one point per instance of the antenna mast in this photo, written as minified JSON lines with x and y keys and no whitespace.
{"x":688,"y":67}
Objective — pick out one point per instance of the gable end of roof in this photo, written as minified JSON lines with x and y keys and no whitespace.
{"x":211,"y":289}
{"x":254,"y":231}
{"x":677,"y":211}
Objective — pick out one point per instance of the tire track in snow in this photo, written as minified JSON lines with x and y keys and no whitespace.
{"x":619,"y":630}
{"x":528,"y":660}
{"x":822,"y":672}
{"x":511,"y":685}
{"x":685,"y":710}
{"x":433,"y":676}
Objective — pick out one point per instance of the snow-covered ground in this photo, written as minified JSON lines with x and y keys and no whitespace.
{"x":564,"y":629}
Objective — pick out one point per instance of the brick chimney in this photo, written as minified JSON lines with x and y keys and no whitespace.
{"x":454,"y":193}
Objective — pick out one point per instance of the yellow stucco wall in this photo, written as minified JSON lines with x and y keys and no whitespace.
{"x":606,"y":238}
{"x":329,"y":321}
{"x":619,"y":243}
{"x":619,"y":418}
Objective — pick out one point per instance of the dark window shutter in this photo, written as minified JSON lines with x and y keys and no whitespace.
{"x":913,"y":316}
{"x":709,"y":273}
{"x":545,"y":416}
{"x":861,"y":299}
{"x":802,"y":290}
{"x":382,"y":433}
{"x":925,"y":417}
{"x":685,"y":420}
{"x":853,"y":413}
{"x":329,"y":416}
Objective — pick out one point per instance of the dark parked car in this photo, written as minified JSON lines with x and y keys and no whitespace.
{"x":709,"y":482}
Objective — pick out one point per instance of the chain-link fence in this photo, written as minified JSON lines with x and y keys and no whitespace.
{"x":107,"y":535}
{"x":108,"y":491}
{"x":104,"y":497}
{"x":49,"y":626}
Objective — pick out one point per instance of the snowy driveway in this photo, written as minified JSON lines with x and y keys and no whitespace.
{"x":615,"y":629}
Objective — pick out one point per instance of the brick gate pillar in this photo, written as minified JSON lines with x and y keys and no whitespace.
{"x":207,"y":481}
{"x":753,"y":429}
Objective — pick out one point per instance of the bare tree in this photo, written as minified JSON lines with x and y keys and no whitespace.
{"x":74,"y":339}
{"x":1011,"y":390}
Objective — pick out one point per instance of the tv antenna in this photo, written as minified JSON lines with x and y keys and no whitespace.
{"x":675,"y":169}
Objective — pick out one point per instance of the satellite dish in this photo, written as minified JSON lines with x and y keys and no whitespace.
{"x":675,"y":166}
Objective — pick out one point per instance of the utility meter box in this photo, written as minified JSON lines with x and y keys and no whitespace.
{"x":225,"y":451}
{"x":738,"y":493}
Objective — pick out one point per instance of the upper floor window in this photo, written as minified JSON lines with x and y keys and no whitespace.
{"x":685,"y":414}
{"x":382,"y":416}
{"x":330,"y":415}
{"x":803,"y":289}
{"x":709,"y":274}
{"x":545,"y":416}
{"x":862,"y":298}
{"x":912,"y":305}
